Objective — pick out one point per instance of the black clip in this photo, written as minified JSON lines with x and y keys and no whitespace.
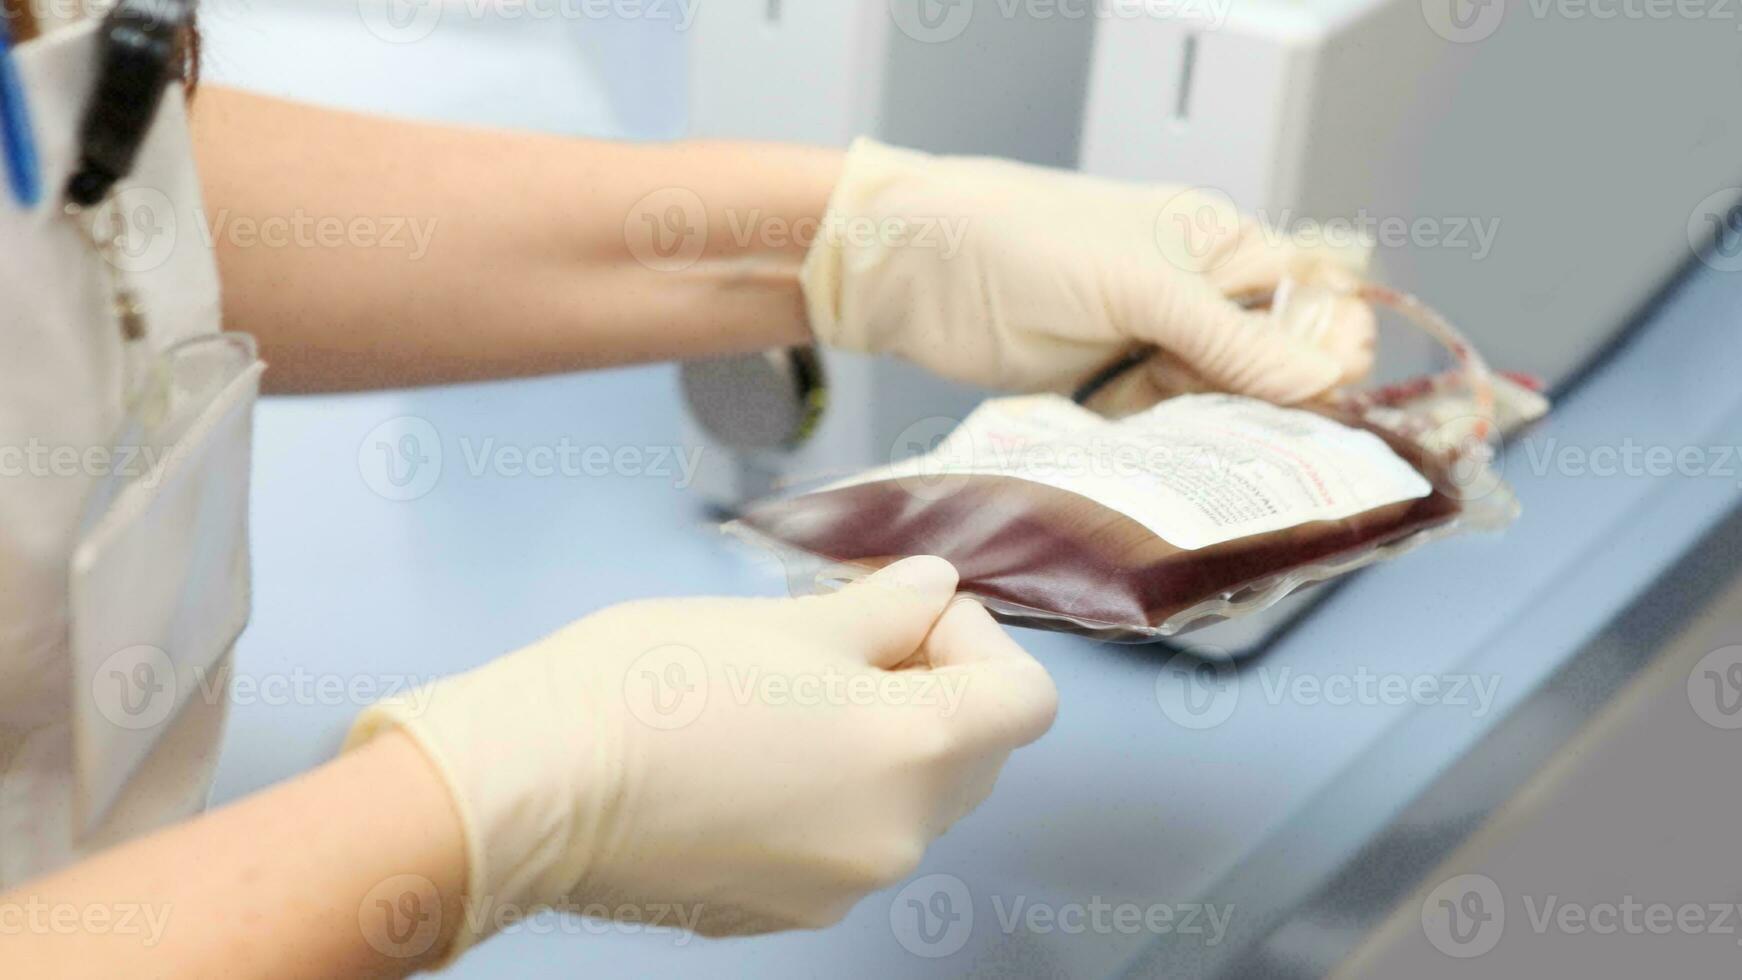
{"x":141,"y":50}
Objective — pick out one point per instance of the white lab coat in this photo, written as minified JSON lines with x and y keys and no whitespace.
{"x":123,"y":519}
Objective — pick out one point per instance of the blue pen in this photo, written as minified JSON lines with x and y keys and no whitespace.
{"x":15,"y":136}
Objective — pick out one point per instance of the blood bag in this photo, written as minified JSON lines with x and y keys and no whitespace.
{"x":1200,"y":508}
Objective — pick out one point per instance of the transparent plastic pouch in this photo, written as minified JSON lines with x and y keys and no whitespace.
{"x":1200,"y":509}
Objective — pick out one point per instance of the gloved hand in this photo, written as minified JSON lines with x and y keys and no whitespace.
{"x":762,"y":762}
{"x":1018,"y":277}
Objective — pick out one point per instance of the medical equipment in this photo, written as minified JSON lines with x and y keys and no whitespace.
{"x":769,"y":402}
{"x":16,"y":138}
{"x":1540,"y":171}
{"x":1204,"y":508}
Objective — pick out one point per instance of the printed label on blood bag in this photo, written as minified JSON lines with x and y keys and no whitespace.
{"x":1196,"y":470}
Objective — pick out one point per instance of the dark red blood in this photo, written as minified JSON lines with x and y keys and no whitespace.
{"x":1056,"y":554}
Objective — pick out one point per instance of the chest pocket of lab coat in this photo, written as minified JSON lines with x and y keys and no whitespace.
{"x":123,"y":493}
{"x":159,"y":584}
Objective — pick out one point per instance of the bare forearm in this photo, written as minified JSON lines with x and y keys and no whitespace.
{"x":367,"y":252}
{"x":286,"y":884}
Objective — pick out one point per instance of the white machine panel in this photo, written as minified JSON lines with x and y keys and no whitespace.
{"x":1537,"y":176}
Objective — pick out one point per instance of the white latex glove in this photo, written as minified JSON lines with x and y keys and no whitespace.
{"x":648,"y":757}
{"x":1019,"y":277}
